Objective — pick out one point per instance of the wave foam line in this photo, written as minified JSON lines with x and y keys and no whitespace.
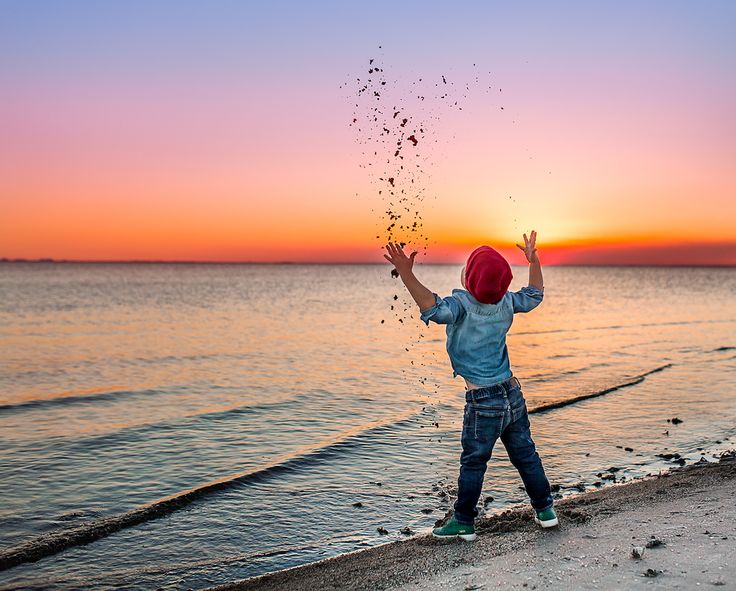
{"x":133,"y":575}
{"x":123,"y":395}
{"x":620,"y":326}
{"x":567,"y":401}
{"x":80,"y":399}
{"x":90,"y":531}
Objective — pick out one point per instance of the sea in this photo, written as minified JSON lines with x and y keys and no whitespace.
{"x":179,"y":426}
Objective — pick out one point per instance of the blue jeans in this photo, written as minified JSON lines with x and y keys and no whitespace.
{"x":493,"y":412}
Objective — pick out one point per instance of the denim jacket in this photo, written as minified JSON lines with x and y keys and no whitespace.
{"x":476,"y":332}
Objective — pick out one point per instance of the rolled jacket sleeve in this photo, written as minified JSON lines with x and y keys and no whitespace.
{"x":526,"y":299}
{"x":445,"y":311}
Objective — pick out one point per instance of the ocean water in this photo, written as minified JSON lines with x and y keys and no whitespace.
{"x":187,"y":425}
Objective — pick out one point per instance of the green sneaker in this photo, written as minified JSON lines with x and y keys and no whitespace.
{"x":546,"y":518}
{"x":452,"y":529}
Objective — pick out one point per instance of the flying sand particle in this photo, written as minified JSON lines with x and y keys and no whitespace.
{"x":387,"y":156}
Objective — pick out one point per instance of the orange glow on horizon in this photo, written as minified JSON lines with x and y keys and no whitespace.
{"x":618,"y":161}
{"x":178,"y":244}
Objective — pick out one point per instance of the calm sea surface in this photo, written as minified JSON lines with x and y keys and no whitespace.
{"x":278,"y":397}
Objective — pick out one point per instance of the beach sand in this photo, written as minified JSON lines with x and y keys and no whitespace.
{"x":687,"y":517}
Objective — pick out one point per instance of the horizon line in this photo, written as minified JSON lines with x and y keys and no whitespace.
{"x":45,"y":260}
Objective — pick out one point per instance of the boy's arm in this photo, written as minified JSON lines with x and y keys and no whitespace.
{"x":404,"y":266}
{"x":535,"y":267}
{"x":535,"y":275}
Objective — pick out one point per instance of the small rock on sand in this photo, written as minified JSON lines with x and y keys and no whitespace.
{"x":654,"y":543}
{"x":637,"y":552}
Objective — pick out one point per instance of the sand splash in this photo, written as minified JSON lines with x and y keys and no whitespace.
{"x":400,"y":125}
{"x":396,"y":121}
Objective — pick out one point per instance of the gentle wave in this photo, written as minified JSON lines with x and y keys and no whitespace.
{"x":78,"y":399}
{"x":121,"y":576}
{"x":619,"y":327}
{"x":567,"y":401}
{"x":90,"y":531}
{"x":52,"y":543}
{"x":72,"y":399}
{"x":141,"y":432}
{"x":177,"y":359}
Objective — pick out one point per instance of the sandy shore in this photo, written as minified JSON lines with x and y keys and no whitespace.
{"x":687,"y":518}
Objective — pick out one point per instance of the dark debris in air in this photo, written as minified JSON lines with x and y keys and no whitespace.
{"x":398,"y":126}
{"x":416,"y":108}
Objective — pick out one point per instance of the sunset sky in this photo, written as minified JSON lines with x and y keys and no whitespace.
{"x":220,"y":131}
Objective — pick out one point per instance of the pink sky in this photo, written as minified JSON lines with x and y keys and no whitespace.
{"x":202,"y":141}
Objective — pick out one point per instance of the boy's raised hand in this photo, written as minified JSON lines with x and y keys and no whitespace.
{"x":530,"y":247}
{"x":398,"y":259}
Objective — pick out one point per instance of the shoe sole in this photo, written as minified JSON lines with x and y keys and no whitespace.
{"x":549,"y":523}
{"x":466,"y":537}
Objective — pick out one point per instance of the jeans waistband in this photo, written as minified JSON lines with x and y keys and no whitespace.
{"x":488,"y":391}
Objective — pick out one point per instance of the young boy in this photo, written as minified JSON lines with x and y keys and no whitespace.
{"x":478,"y":318}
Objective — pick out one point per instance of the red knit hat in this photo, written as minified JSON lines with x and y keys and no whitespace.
{"x":487,"y":275}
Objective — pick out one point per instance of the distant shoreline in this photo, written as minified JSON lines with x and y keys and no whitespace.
{"x":46,"y":261}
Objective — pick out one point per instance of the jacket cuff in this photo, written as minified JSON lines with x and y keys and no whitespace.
{"x":429,"y":312}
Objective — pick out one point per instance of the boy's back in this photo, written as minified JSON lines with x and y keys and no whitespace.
{"x":476,"y":332}
{"x":478,"y":318}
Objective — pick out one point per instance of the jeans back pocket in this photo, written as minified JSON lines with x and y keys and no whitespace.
{"x":488,"y":423}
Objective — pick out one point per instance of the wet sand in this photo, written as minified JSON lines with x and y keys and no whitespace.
{"x":685,"y":519}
